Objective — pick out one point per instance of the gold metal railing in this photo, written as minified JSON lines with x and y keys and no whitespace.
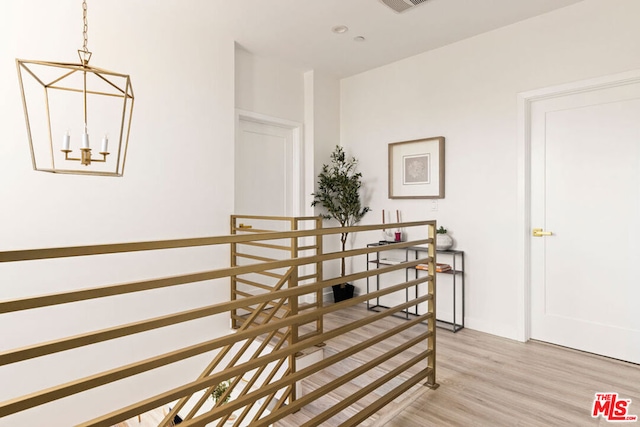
{"x":242,"y":286}
{"x":259,"y":358}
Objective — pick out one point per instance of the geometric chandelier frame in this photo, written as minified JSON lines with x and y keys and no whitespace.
{"x":63,"y":102}
{"x":62,"y":77}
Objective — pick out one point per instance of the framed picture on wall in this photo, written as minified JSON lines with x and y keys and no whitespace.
{"x":416,"y":169}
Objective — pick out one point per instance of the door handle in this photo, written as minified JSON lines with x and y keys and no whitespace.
{"x":537,"y":232}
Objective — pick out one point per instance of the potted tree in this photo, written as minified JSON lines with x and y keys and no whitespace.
{"x":339,"y":194}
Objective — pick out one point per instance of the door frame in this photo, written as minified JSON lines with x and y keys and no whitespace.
{"x":298,"y":190}
{"x":525,"y":101}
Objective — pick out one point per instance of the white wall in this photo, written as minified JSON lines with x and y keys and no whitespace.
{"x":277,"y":89}
{"x":268,"y":86}
{"x":177,"y":184}
{"x":467,"y":93}
{"x":322,"y":125}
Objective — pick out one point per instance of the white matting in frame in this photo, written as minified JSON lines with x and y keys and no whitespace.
{"x":416,"y":169}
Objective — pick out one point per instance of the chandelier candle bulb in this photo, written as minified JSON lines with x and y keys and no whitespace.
{"x":66,"y":141}
{"x":85,"y":140}
{"x":105,"y":145}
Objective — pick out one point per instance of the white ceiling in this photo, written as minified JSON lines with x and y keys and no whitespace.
{"x":299,"y":31}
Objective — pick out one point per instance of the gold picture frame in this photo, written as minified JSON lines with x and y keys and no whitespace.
{"x":416,"y":169}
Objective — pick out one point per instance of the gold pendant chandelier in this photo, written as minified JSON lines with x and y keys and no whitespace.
{"x":58,"y":117}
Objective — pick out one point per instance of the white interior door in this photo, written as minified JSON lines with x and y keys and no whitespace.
{"x":266,"y":169}
{"x":585,"y":189}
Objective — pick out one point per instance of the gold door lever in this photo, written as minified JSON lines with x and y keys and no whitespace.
{"x":537,"y":232}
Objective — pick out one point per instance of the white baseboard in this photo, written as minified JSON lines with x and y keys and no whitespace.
{"x":493,"y":328}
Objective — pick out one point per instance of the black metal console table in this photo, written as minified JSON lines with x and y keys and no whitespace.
{"x":456,"y":273}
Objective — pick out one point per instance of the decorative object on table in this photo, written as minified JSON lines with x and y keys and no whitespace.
{"x":416,"y":169}
{"x":398,"y":232}
{"x":440,"y":267}
{"x":390,"y":235}
{"x":339,"y":194}
{"x":387,"y":233}
{"x":443,"y":240}
{"x":60,"y":114}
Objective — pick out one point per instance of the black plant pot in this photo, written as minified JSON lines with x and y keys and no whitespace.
{"x":341,"y":293}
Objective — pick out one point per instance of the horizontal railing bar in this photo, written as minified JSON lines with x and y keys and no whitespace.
{"x":308,"y":336}
{"x":255,"y":257}
{"x":343,"y":379}
{"x":255,"y":230}
{"x":356,"y":349}
{"x":307,"y":248}
{"x":130,"y":370}
{"x":268,"y":246}
{"x":70,"y":388}
{"x":195,"y":386}
{"x":278,"y":286}
{"x":38,"y":350}
{"x":252,"y":283}
{"x":169,"y":396}
{"x":256,"y":374}
{"x":269,"y":274}
{"x":81,"y":340}
{"x":345,"y":403}
{"x":244,"y":320}
{"x":64,"y":252}
{"x":310,"y":276}
{"x":106,"y":291}
{"x":267,"y":401}
{"x":221,"y":354}
{"x":275,"y":218}
{"x":259,"y":320}
{"x":278,"y":219}
{"x":205,"y":396}
{"x":260,"y":313}
{"x":243,"y":294}
{"x":388,"y":397}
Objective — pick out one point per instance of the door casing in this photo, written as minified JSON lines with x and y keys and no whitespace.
{"x":298,"y":180}
{"x":525,"y":100}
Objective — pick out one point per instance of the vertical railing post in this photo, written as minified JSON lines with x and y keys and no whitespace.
{"x":319,"y":273}
{"x":234,"y":284}
{"x":293,"y":306}
{"x":431,"y":341}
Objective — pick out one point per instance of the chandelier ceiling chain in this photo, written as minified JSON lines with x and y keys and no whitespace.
{"x":85,"y":28}
{"x":84,"y":53}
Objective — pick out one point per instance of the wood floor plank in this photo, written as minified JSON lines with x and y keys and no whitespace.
{"x":484,"y":380}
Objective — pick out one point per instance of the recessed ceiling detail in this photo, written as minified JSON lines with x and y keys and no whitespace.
{"x":340,"y":29}
{"x":304,"y":39}
{"x":402,"y":5}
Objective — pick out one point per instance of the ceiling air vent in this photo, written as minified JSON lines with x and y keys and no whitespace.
{"x":402,"y":5}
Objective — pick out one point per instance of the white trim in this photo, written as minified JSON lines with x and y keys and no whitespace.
{"x":298,"y":151}
{"x":263,"y":118}
{"x":525,"y":100}
{"x":309,"y":141}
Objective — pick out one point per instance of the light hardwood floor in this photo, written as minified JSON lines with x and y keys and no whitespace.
{"x":484,"y":381}
{"x":490,"y":381}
